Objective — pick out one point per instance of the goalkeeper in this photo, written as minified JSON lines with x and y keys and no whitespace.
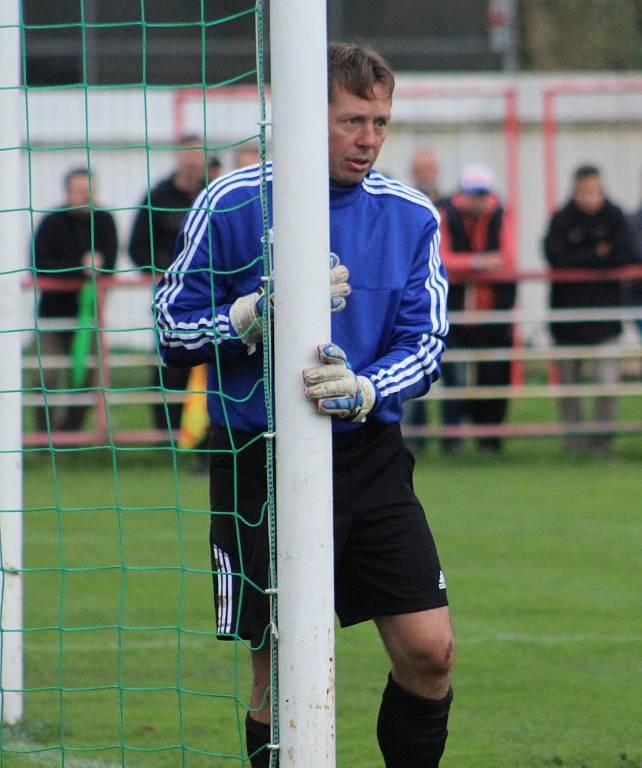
{"x":388,"y":329}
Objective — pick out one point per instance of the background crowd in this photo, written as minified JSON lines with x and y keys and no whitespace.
{"x":589,"y":232}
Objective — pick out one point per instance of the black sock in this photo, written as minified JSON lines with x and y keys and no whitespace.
{"x":257,"y":737}
{"x":411,"y":730}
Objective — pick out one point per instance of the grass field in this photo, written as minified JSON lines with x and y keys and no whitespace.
{"x":542,"y":556}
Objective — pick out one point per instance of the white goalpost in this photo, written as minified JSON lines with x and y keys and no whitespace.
{"x":11,"y":703}
{"x":303,"y":438}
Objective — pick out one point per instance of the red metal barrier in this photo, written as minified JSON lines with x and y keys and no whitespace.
{"x":104,"y":435}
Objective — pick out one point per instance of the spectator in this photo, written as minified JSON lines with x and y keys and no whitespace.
{"x":214,"y":168}
{"x":589,"y":232}
{"x":475,"y":240}
{"x":70,"y":242}
{"x":425,"y":178}
{"x":425,"y":174}
{"x":634,"y":296}
{"x":151,"y":247}
{"x":246,"y":154}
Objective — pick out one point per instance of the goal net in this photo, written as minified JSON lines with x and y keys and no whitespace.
{"x":116,"y":632}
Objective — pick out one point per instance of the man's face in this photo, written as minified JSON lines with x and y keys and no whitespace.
{"x":357,"y":129}
{"x":190,"y":166}
{"x":425,"y":172}
{"x":214,"y":170}
{"x":246,"y":156}
{"x":588,"y":195}
{"x":78,"y":191}
{"x":476,"y":205}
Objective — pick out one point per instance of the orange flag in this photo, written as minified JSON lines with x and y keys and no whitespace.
{"x":194,"y":418}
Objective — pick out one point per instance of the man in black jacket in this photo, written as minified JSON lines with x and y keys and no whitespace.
{"x":70,"y":242}
{"x":589,"y":232}
{"x":152,"y":242}
{"x":634,"y":288}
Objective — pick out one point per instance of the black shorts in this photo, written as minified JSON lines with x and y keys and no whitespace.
{"x":385,"y":558}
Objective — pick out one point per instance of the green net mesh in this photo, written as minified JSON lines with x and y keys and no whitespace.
{"x":120,"y":657}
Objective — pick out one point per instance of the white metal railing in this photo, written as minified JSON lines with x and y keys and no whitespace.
{"x":103,"y":395}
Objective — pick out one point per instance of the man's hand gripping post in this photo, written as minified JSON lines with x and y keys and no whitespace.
{"x":336,"y":388}
{"x":246,"y":312}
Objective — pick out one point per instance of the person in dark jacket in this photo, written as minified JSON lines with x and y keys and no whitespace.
{"x":476,"y":239}
{"x":151,"y":247}
{"x":589,"y":232}
{"x":72,"y":241}
{"x":634,"y":293}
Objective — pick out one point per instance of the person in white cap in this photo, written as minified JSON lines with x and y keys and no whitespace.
{"x":476,"y":243}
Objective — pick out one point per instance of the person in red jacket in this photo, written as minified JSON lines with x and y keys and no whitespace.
{"x":475,"y":239}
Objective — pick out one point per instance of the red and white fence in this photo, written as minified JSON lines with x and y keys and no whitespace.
{"x":102,"y":395}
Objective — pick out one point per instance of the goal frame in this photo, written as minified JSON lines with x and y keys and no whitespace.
{"x":11,"y":523}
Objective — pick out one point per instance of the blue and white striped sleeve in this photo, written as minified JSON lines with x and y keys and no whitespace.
{"x":190,"y":308}
{"x":418,"y":340}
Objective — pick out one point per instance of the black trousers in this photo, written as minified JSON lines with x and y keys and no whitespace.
{"x":71,"y":417}
{"x":168,"y":415}
{"x":485,"y":374}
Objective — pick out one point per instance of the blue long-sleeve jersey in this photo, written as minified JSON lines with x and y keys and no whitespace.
{"x":394,"y":326}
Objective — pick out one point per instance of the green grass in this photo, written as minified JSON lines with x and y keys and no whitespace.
{"x":541,"y":553}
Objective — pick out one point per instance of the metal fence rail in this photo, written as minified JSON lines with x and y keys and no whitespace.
{"x":102,"y":394}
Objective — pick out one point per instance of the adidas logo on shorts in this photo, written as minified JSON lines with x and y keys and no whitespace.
{"x":442,"y":580}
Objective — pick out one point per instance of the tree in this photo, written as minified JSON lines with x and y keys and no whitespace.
{"x":580,"y":34}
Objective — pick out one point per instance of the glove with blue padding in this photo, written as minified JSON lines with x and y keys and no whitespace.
{"x":339,"y":286}
{"x":336,"y":388}
{"x":247,"y":311}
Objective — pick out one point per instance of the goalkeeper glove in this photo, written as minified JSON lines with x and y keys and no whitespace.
{"x":339,"y":285}
{"x":336,"y":388}
{"x":246,"y":312}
